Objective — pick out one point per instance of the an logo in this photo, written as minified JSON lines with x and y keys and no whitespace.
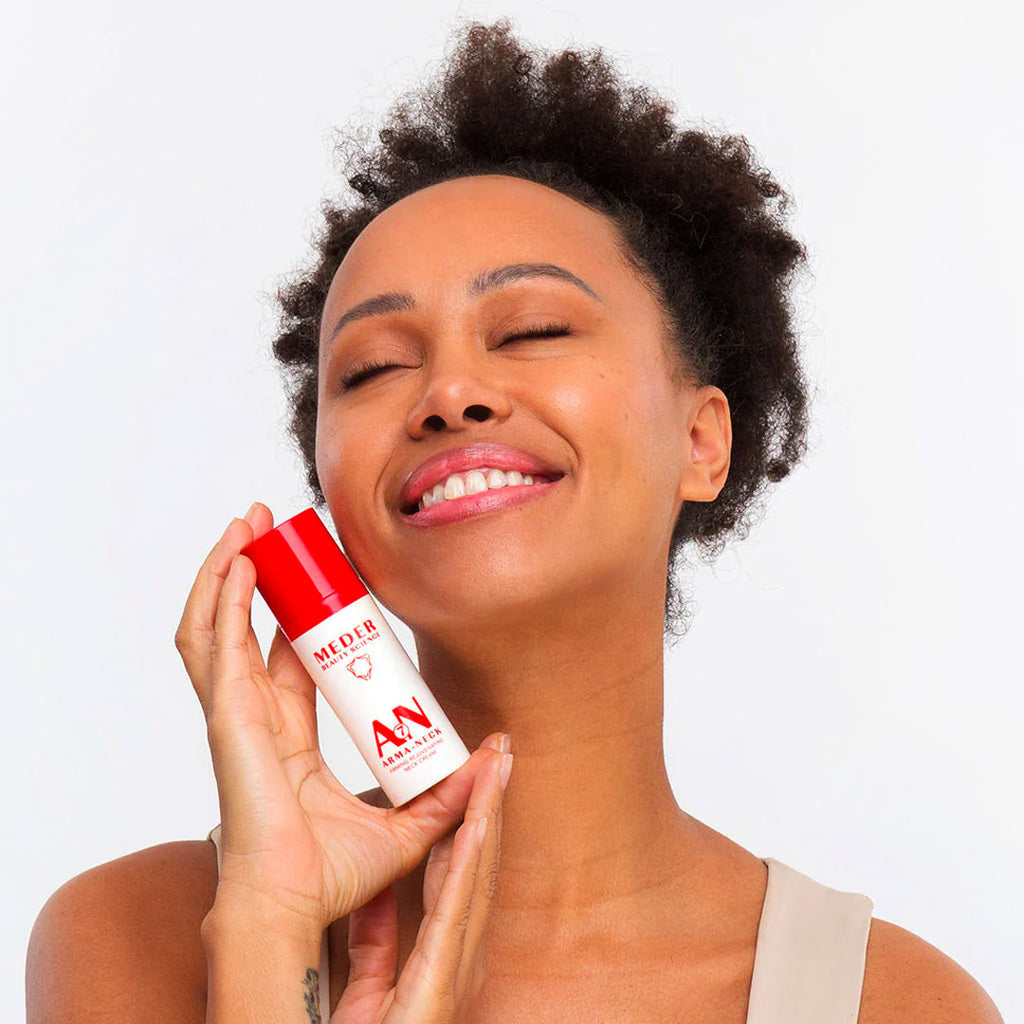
{"x":399,"y":734}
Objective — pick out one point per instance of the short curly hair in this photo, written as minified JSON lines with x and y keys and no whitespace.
{"x":698,"y":219}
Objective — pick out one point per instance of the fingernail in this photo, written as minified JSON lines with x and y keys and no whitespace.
{"x":506,"y":769}
{"x":501,"y":743}
{"x":252,"y":508}
{"x":481,"y":832}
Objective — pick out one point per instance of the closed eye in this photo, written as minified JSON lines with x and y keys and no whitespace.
{"x":545,"y":331}
{"x":369,"y":368}
{"x":362,"y":371}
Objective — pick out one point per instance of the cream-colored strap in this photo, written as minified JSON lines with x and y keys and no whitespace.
{"x":325,"y":959}
{"x":811,"y":944}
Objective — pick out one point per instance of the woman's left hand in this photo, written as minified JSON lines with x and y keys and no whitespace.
{"x":445,"y":971}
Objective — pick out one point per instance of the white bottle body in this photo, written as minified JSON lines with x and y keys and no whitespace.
{"x":371,"y":684}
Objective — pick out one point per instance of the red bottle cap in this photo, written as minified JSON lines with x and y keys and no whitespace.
{"x":302,"y":573}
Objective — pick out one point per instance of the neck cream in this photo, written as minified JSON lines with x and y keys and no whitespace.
{"x":356,"y":661}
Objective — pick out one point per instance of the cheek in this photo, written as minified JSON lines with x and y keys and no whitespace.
{"x":593,"y":394}
{"x":620,"y":424}
{"x":348,"y":461}
{"x":328,"y":444}
{"x":612,"y":415}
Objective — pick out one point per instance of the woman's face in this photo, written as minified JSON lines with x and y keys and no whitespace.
{"x":597,"y":404}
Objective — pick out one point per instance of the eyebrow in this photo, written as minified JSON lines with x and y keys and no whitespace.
{"x":497,"y":277}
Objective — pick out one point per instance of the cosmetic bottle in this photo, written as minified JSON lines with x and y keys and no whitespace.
{"x":353,"y":656}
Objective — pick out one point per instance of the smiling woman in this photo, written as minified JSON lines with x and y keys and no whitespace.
{"x":548,"y":346}
{"x":690,"y":217}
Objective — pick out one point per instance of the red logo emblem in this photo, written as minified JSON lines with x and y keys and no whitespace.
{"x":361,"y":666}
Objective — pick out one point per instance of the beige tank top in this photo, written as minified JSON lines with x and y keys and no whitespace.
{"x":809,"y":958}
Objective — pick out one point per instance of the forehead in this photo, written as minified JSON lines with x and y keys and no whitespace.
{"x":434,"y":240}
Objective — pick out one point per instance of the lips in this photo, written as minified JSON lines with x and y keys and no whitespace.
{"x":491,"y":454}
{"x":472,"y":505}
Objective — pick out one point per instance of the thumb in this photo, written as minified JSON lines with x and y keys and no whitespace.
{"x":429,"y":817}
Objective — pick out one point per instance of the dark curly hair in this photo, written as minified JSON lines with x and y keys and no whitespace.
{"x":698,"y":219}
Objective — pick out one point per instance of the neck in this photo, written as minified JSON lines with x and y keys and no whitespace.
{"x":589,"y":816}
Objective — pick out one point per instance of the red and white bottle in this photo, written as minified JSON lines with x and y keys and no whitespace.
{"x":354,"y":657}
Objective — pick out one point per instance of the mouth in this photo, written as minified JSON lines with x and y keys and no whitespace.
{"x":470,"y":505}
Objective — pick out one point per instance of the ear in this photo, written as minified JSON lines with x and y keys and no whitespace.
{"x":709,"y":443}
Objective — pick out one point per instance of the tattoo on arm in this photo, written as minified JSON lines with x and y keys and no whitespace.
{"x":311,"y":995}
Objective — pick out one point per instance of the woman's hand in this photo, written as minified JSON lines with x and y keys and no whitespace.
{"x":293,"y":840}
{"x":445,"y":970}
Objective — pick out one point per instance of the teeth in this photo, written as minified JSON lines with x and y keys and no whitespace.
{"x":473,"y":482}
{"x":454,"y":487}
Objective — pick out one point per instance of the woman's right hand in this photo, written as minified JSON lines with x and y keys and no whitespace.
{"x":293,"y":839}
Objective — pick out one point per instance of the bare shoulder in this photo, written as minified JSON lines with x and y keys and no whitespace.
{"x":907,"y":979}
{"x":123,"y":931}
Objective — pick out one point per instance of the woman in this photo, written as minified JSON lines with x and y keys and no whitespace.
{"x":542,"y":275}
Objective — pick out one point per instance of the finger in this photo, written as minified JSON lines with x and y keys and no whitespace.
{"x":437,"y":862}
{"x":433,"y":876}
{"x":295,"y":696}
{"x":287,"y":669}
{"x":446,"y":963}
{"x":240,"y":724}
{"x":372,"y":957}
{"x":423,"y":821}
{"x":260,"y":520}
{"x":472,"y":963}
{"x":230,"y":662}
{"x":239,"y":678}
{"x":426,"y":990}
{"x":194,"y":635}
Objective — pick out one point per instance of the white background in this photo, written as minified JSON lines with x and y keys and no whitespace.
{"x":848,"y":699}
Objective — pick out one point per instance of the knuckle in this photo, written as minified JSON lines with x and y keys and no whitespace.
{"x":182,"y":641}
{"x":491,"y":878}
{"x":227,"y":644}
{"x":189,"y":639}
{"x":465,"y":914}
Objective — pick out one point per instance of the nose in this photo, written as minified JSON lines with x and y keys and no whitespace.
{"x":456,"y":395}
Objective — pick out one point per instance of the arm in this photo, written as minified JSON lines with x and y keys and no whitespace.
{"x":262,"y":966}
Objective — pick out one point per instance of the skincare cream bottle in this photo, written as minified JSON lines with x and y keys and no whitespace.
{"x":355,"y":659}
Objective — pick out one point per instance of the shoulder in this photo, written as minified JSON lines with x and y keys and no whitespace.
{"x":906,"y":979}
{"x":124,"y":930}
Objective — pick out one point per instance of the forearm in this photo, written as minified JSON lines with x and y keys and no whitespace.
{"x":261,"y":968}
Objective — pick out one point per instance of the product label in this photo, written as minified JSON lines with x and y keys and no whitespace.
{"x":373,"y":687}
